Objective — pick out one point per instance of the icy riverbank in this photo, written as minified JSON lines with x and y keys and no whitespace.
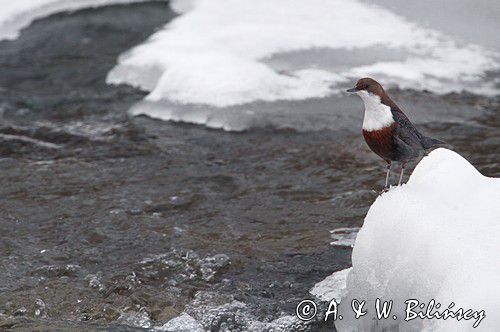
{"x":434,"y":238}
{"x":227,"y":54}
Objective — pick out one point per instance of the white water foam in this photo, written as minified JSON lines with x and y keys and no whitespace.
{"x":18,"y":14}
{"x":220,"y":54}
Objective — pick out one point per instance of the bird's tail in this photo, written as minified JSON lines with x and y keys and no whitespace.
{"x":432,"y":143}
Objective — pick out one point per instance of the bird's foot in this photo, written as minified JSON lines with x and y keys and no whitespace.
{"x":384,"y":190}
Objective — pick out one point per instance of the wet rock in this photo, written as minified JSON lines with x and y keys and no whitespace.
{"x":95,"y":281}
{"x":178,"y":267}
{"x":137,"y":319}
{"x":167,"y":313}
{"x":107,"y":312}
{"x":183,"y":323}
{"x":40,"y":308}
{"x":211,"y":265}
{"x":14,"y":145}
{"x":218,"y":312}
{"x":51,"y":271}
{"x":21,"y":311}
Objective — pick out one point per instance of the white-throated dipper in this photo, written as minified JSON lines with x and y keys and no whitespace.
{"x":387,"y":130}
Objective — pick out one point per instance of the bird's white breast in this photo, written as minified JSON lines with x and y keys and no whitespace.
{"x":377,"y":115}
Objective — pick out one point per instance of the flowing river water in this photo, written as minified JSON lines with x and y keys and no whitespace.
{"x":113,"y":222}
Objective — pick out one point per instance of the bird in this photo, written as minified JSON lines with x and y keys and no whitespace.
{"x":388,"y":131}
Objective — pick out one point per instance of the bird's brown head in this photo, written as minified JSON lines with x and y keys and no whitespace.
{"x":369,"y":85}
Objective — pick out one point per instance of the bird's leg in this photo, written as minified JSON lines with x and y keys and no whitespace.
{"x":401,"y":175}
{"x":386,"y":187}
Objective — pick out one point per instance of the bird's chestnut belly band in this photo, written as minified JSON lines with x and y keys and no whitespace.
{"x":381,"y":141}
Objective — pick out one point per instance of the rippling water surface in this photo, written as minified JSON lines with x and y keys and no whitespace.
{"x":118,"y":222}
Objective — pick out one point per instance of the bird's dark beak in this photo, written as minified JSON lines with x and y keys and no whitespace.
{"x":352,"y":90}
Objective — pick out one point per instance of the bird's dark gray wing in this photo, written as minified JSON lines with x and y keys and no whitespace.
{"x":406,"y":131}
{"x":404,"y":152}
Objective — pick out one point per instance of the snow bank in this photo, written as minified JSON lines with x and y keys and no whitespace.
{"x":18,"y":14}
{"x":437,"y":237}
{"x":219,"y":53}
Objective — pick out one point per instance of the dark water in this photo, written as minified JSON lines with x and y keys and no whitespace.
{"x":109,"y":222}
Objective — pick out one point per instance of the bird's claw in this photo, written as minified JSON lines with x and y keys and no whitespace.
{"x":386,"y":189}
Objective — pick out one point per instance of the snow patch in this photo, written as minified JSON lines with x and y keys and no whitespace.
{"x":216,"y":53}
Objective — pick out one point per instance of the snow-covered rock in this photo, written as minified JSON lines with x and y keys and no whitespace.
{"x":436,"y":237}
